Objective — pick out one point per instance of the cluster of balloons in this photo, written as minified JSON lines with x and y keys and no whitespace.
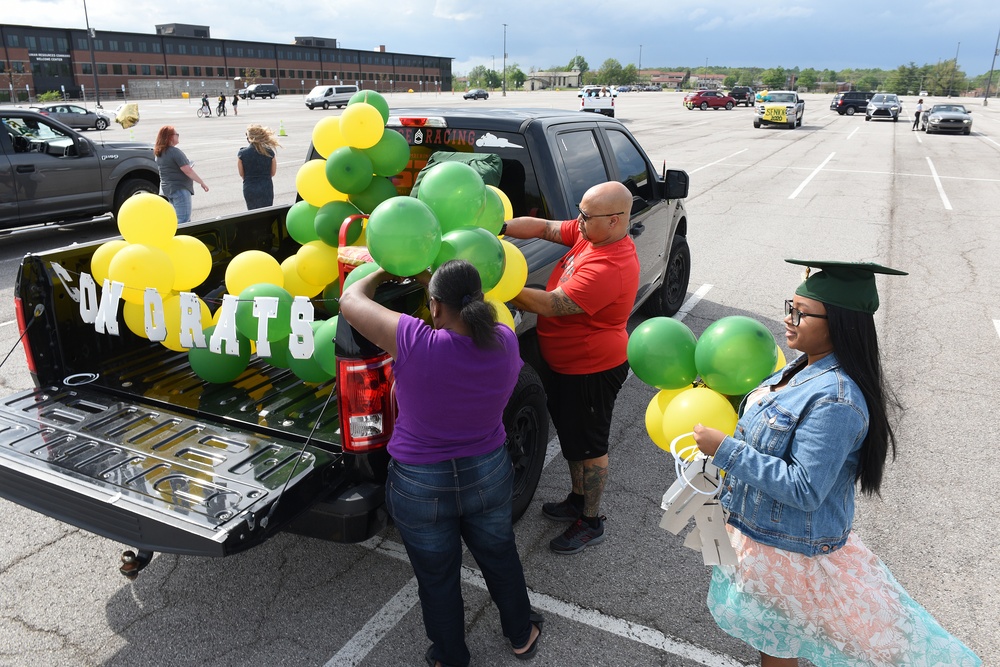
{"x":152,"y":255}
{"x":701,"y":380}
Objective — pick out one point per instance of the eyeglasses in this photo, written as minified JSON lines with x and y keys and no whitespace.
{"x":797,"y":314}
{"x":586,"y":216}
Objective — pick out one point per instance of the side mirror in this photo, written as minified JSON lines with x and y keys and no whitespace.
{"x":83,"y":147}
{"x":677,"y":184}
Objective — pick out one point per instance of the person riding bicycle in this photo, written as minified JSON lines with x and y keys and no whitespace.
{"x":204,"y":105}
{"x":221,"y":110}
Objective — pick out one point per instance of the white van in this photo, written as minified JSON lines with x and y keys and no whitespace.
{"x":330,"y":96}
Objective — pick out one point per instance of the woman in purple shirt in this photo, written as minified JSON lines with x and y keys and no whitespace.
{"x":450,"y":477}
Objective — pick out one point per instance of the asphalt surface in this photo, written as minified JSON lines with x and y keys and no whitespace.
{"x":836,"y":188}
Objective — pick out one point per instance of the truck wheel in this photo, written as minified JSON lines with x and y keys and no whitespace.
{"x":668,"y":298}
{"x":272,"y":96}
{"x":129,"y":187}
{"x":101,"y":124}
{"x":326,"y":105}
{"x":850,"y":111}
{"x":799,"y":122}
{"x":526,"y":421}
{"x":756,"y":124}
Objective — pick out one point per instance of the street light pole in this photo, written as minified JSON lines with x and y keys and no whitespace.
{"x":954,"y":72}
{"x":93,"y":60}
{"x":504,"y":60}
{"x":996,"y":52}
{"x":640,"y":63}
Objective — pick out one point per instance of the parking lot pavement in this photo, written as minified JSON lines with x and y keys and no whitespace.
{"x":862,"y":191}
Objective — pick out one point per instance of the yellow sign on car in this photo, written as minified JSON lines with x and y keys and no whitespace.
{"x":775,"y":113}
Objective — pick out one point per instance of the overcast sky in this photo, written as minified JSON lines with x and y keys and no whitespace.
{"x":833,"y":34}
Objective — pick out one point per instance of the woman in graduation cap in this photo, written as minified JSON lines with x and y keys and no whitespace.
{"x":806,"y":586}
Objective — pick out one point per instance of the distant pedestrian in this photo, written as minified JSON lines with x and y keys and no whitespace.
{"x":257,"y":165}
{"x":916,"y":115}
{"x":177,"y":173}
{"x":236,"y":100}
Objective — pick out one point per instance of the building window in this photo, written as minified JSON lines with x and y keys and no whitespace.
{"x":128,"y":47}
{"x":102,"y":68}
{"x":309,"y":74}
{"x":229,"y":51}
{"x":281,"y":73}
{"x":185,"y":70}
{"x":156,"y":47}
{"x":220,"y":71}
{"x":159,"y":70}
{"x":116,"y":69}
{"x":169,"y":48}
{"x":300,"y":74}
{"x":87,"y":68}
{"x":29,"y":42}
{"x":132,"y":70}
{"x":218,"y":51}
{"x":143,"y":47}
{"x":81,"y":43}
{"x":197,"y":71}
{"x":239,"y":52}
{"x":232,"y":72}
{"x":62,"y":46}
{"x":146,"y":70}
{"x":13,"y":40}
{"x":172,"y":69}
{"x":112,"y":44}
{"x":182,"y":49}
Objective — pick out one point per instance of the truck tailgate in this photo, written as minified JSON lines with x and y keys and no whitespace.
{"x":150,"y":477}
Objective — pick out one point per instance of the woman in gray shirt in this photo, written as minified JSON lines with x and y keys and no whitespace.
{"x":177,"y":174}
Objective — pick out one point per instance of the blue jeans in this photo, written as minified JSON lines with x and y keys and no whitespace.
{"x":435,"y":507}
{"x":181,"y":201}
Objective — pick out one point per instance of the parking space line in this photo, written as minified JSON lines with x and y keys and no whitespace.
{"x":940,"y":187}
{"x":987,"y":139}
{"x":810,"y":177}
{"x":377,"y":627}
{"x":546,"y":603}
{"x":996,"y":324}
{"x":705,"y":166}
{"x":855,"y":131}
{"x":6,"y":324}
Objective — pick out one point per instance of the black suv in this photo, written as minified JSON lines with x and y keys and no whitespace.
{"x":54,"y":174}
{"x":260,"y":90}
{"x":743,"y":95}
{"x":850,"y":102}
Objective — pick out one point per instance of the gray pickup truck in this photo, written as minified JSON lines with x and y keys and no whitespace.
{"x":121,"y":438}
{"x":51,"y":173}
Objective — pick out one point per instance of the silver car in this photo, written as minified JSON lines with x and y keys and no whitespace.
{"x":884,"y":105}
{"x":947,"y":118}
{"x":75,"y":116}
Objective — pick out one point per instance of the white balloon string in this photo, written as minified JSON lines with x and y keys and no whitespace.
{"x":681,"y":458}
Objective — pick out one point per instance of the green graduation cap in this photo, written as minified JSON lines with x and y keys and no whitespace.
{"x":850,"y":285}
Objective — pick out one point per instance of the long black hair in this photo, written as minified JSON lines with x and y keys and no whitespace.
{"x":855,"y":342}
{"x":457,"y":285}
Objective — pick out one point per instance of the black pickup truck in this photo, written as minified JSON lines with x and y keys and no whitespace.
{"x":121,"y":437}
{"x":51,"y":173}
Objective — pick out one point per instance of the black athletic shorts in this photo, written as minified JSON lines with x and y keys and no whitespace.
{"x":581,"y":407}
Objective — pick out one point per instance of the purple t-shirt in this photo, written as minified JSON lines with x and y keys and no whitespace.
{"x":451,"y":394}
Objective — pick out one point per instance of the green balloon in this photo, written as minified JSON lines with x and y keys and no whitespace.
{"x":331,"y":297}
{"x":377,"y":192}
{"x":326,"y":345}
{"x":299,"y":222}
{"x":330,"y":217}
{"x":455,"y":192}
{"x":734,"y":354}
{"x":374,"y":99}
{"x":279,"y":353}
{"x":661,"y":353}
{"x":390,"y":155}
{"x":246,"y":322}
{"x":403,"y":236}
{"x":219,"y":368}
{"x":309,"y":369}
{"x":358,"y":273}
{"x":478,"y":247}
{"x":349,"y":170}
{"x":490,"y":216}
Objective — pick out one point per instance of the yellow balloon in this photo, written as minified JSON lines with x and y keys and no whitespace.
{"x":515,"y":274}
{"x":654,"y":416}
{"x":781,"y":361}
{"x":502,"y":311}
{"x":311,"y":184}
{"x":508,"y":210}
{"x":294,"y":284}
{"x":192,"y":261}
{"x":101,"y":259}
{"x":326,"y":136}
{"x":148,"y":219}
{"x":135,"y":318}
{"x":697,"y":405}
{"x":172,"y":321}
{"x":139,"y":266}
{"x":317,"y":263}
{"x":361,"y":125}
{"x":251,"y":267}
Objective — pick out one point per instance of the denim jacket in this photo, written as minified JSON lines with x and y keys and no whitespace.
{"x":791,"y":464}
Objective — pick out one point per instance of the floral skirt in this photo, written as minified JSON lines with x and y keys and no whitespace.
{"x":844,"y":608}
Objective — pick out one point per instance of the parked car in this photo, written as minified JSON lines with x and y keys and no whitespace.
{"x":476,"y":94}
{"x":850,"y":102}
{"x":947,"y":118}
{"x":260,"y":90}
{"x":884,"y":105}
{"x":743,"y":95}
{"x":75,"y":116}
{"x":330,"y":96}
{"x":704,"y":99}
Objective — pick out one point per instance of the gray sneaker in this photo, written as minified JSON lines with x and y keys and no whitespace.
{"x":578,"y":537}
{"x":564,"y":510}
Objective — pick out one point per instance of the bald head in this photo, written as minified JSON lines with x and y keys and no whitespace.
{"x":603,"y":200}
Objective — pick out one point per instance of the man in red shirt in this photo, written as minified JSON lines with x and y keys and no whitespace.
{"x":582,"y":315}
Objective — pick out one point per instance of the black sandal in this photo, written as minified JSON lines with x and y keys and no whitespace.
{"x":538,"y":621}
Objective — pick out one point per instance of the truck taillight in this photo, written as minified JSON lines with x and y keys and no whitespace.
{"x":22,"y":327}
{"x":366,"y":408}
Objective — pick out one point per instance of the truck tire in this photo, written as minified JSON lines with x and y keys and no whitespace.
{"x":326,"y":105}
{"x":668,"y":298}
{"x":756,"y":124}
{"x":850,"y":111}
{"x":526,"y":421}
{"x":129,"y":187}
